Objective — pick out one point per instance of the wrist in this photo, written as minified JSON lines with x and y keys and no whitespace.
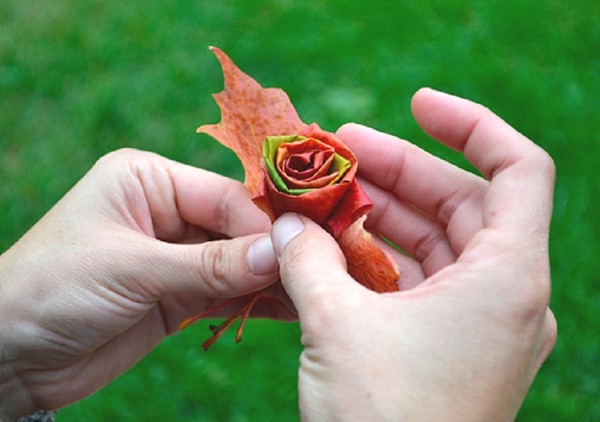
{"x":15,"y":400}
{"x":347,"y":400}
{"x":363,"y":395}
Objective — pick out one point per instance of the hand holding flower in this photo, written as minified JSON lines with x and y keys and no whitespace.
{"x":466,"y":339}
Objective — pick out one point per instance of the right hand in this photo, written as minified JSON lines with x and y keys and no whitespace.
{"x":471,"y":327}
{"x":139,"y":244}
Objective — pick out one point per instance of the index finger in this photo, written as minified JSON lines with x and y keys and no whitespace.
{"x":179,"y":198}
{"x":521,"y":173}
{"x":216,"y":202}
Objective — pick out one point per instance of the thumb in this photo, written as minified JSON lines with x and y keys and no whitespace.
{"x":219,"y":269}
{"x":310,"y":261}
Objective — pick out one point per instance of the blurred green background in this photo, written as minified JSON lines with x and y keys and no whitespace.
{"x":79,"y":78}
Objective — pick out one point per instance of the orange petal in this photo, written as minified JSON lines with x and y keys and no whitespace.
{"x":367,"y":263}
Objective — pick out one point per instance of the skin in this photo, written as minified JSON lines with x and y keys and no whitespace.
{"x":140,"y":243}
{"x":467,"y":337}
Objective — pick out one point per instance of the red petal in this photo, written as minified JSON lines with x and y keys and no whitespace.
{"x":316,"y":205}
{"x":353,"y":205}
{"x":306,"y":150}
{"x":314,"y":131}
{"x":261,"y":198}
{"x":306,"y":164}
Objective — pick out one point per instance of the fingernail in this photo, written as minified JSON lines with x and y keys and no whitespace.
{"x":261,"y":256}
{"x":285,"y":229}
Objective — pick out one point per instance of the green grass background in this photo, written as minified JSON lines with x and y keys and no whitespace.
{"x":79,"y":78}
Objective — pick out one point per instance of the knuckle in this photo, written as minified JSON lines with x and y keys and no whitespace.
{"x":222,"y":213}
{"x":533,"y":304}
{"x":119,"y":156}
{"x":464,"y":197}
{"x":548,"y":164}
{"x":534,"y":296}
{"x":393,"y":174}
{"x":306,"y":254}
{"x":550,"y":331}
{"x":292,"y":259}
{"x":215,"y":268}
{"x":540,"y":160}
{"x":125,"y":157}
{"x":427,"y":243}
{"x":119,"y":161}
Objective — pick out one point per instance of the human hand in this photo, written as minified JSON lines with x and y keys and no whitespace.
{"x":471,"y":328}
{"x":114,"y":267}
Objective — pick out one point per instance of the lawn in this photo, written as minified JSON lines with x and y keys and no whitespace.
{"x":79,"y":78}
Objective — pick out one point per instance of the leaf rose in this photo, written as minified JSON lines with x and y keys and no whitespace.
{"x":311,"y":173}
{"x":291,"y":166}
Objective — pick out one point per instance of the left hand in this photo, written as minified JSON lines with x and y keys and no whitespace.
{"x":114,"y":267}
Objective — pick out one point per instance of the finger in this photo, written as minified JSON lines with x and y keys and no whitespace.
{"x":412,"y":272}
{"x":312,"y":266}
{"x":416,"y":196}
{"x":435,"y":186}
{"x":218,"y":203}
{"x":183,"y":201}
{"x":411,"y":230}
{"x":153,"y":270}
{"x":522,"y":174}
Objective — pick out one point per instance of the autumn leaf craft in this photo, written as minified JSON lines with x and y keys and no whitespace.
{"x":294,"y":167}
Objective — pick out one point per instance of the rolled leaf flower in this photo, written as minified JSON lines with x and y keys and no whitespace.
{"x":311,"y":173}
{"x":293,"y":167}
